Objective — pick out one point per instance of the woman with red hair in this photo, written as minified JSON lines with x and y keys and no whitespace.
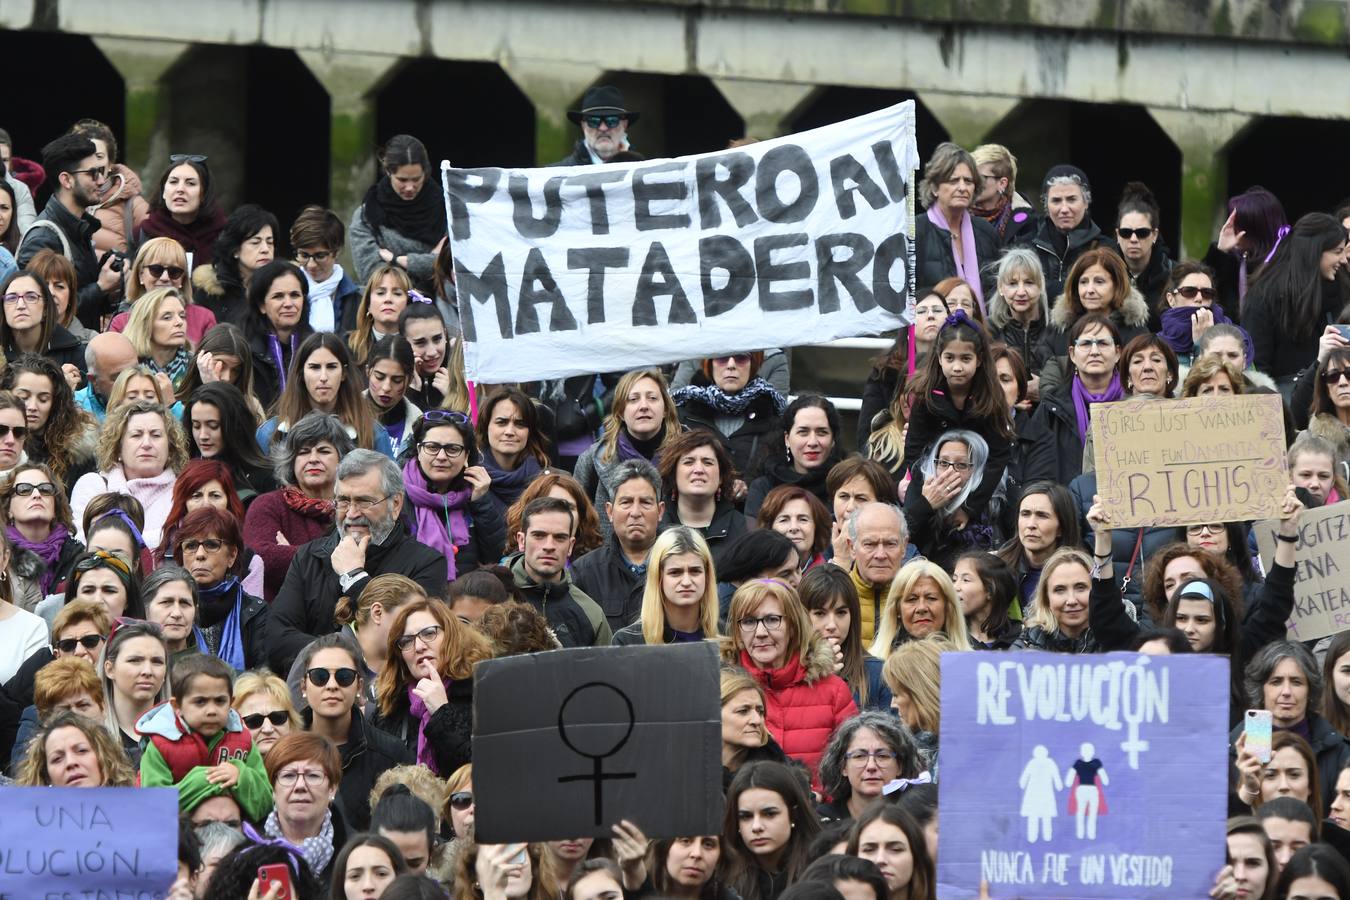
{"x":231,"y":621}
{"x":209,"y":482}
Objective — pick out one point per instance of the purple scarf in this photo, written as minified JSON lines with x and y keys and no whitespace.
{"x":1176,"y":328}
{"x":425,"y":754}
{"x":433,"y":512}
{"x":1082,"y":398}
{"x":970,"y":264}
{"x":274,"y":348}
{"x":49,"y":551}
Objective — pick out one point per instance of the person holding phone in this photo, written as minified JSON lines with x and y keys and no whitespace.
{"x":305,"y":771}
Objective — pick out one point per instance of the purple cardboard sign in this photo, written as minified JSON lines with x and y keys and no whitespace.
{"x":1082,"y":776}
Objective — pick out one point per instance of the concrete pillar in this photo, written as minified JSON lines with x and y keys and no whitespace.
{"x":766,"y":106}
{"x":553,"y":87}
{"x":352,"y":80}
{"x":142,"y":64}
{"x":968,"y":118}
{"x":1203,"y":138}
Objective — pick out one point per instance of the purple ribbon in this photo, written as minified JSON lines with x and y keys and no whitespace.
{"x":122,"y":514}
{"x":959,"y":318}
{"x":291,"y":850}
{"x":900,"y":785}
{"x":417,"y":297}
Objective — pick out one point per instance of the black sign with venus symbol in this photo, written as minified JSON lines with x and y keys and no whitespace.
{"x":596,"y":700}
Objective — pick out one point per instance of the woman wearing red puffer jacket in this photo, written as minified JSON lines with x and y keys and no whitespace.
{"x":771,"y":638}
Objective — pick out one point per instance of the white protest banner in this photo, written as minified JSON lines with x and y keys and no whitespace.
{"x":796,"y":240}
{"x":1321,"y":563}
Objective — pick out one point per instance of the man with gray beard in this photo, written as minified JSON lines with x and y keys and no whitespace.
{"x":369,"y":540}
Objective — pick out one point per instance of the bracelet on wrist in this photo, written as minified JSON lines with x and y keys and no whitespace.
{"x":1102,"y":555}
{"x":1287,"y":538}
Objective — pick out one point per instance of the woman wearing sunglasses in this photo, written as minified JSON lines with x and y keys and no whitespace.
{"x":231,"y":624}
{"x":1145,"y":253}
{"x":448,"y":490}
{"x":1189,"y":308}
{"x":334,"y":686}
{"x":162,"y":262}
{"x":38,"y":524}
{"x":22,"y":633}
{"x":730,"y":399}
{"x":425,"y":693}
{"x":264,"y":704}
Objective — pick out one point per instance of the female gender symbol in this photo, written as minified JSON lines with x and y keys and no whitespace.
{"x":597,"y":703}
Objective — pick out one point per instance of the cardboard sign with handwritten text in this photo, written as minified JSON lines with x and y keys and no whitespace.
{"x":1321,"y":564}
{"x":1177,"y":462}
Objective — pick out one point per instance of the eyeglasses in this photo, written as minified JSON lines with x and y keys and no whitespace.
{"x":97,"y":173}
{"x":750,"y":624}
{"x":740,"y":359}
{"x":434,"y":449}
{"x":46,"y":489}
{"x":1333,"y":376}
{"x":446,"y":415}
{"x":29,"y":298}
{"x":321,"y":256}
{"x":611,"y":121}
{"x":186,"y":157}
{"x":950,"y":464}
{"x":157,"y":270}
{"x":192,"y":545}
{"x":426,"y":636}
{"x":88,"y":642}
{"x":319,"y":677}
{"x":361,"y":503}
{"x":1094,"y":343}
{"x":461,"y":800}
{"x":20,"y":431}
{"x":1190,"y":292}
{"x":934,"y":311}
{"x":313,"y":778}
{"x":1212,"y":528}
{"x":862,"y":756}
{"x":1142,"y":233}
{"x":277,"y":717}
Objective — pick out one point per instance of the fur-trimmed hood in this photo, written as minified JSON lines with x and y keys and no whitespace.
{"x":1329,"y":428}
{"x":1133,"y":312}
{"x":204,"y":279}
{"x":818,"y":663}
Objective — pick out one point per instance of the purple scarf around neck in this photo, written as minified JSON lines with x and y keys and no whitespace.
{"x":440,"y":519}
{"x":1082,"y":398}
{"x":970,"y":263}
{"x":49,"y":551}
{"x":426,"y":755}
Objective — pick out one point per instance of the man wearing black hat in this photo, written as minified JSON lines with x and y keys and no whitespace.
{"x":604,"y":125}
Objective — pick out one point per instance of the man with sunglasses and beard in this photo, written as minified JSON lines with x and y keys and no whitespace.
{"x":369,"y":540}
{"x":334,"y":684}
{"x":66,"y":226}
{"x":604,"y":127}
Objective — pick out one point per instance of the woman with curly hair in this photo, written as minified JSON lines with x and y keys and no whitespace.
{"x":559,"y":485}
{"x":71,"y":750}
{"x":426,"y":641}
{"x":140,"y":451}
{"x":54,"y":419}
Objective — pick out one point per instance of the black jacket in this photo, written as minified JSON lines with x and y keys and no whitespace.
{"x":778,"y":471}
{"x":367,"y":753}
{"x":748,"y":444}
{"x":937,"y":539}
{"x":1037,"y":638}
{"x":1330,"y":749}
{"x":726,"y":526}
{"x":605,"y":576}
{"x":1280,"y":355}
{"x":1059,"y":251}
{"x":1152,"y":282}
{"x":1026,"y":340}
{"x":449,"y":730}
{"x":878,"y":391}
{"x":62,"y":348}
{"x":93,"y":303}
{"x":487,"y":536}
{"x":579,"y":156}
{"x":252,"y":628}
{"x":303,"y":608}
{"x":576,"y":619}
{"x":222,"y":292}
{"x":933,"y":258}
{"x":928,"y":422}
{"x":266,"y":377}
{"x":1051,"y":448}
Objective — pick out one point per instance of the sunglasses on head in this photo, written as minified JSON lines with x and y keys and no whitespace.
{"x":446,"y":415}
{"x":611,"y":121}
{"x":157,"y":270}
{"x":88,"y":642}
{"x":461,"y":800}
{"x":186,"y":157}
{"x":319,"y":677}
{"x":277,"y":717}
{"x":1142,"y":233}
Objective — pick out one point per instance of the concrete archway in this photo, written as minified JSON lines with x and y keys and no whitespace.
{"x":1312,"y":183}
{"x":681,"y":114}
{"x":1113,"y":144}
{"x":470,"y":113}
{"x":41,"y":105}
{"x":837,"y":103}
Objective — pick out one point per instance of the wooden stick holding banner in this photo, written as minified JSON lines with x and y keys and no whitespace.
{"x":1177,"y":462}
{"x":1321,"y":564}
{"x":570,"y":270}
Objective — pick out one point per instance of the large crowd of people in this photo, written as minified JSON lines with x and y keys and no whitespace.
{"x":259,"y":528}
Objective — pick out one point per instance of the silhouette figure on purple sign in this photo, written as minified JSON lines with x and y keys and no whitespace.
{"x":1087,"y":780}
{"x":593,"y":700}
{"x":1039,"y":781}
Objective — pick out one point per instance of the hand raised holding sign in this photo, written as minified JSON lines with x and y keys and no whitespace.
{"x":1286,"y":539}
{"x":1331,"y":340}
{"x":1099,"y":520}
{"x":630,"y":850}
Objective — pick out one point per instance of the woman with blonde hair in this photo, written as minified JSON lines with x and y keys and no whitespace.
{"x":266,"y":706}
{"x":158,"y":330}
{"x":561,"y":486}
{"x":1211,"y":375}
{"x":140,"y":383}
{"x":922,"y":600}
{"x":771,"y":637}
{"x":371,"y":614}
{"x":71,"y":750}
{"x":641,"y":423}
{"x":384,"y":298}
{"x":996,"y":198}
{"x":162,"y":263}
{"x":679,"y":602}
{"x":913,"y":672}
{"x":1058,"y":620}
{"x":1019,"y":310}
{"x":744,"y":737}
{"x":431,"y":649}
